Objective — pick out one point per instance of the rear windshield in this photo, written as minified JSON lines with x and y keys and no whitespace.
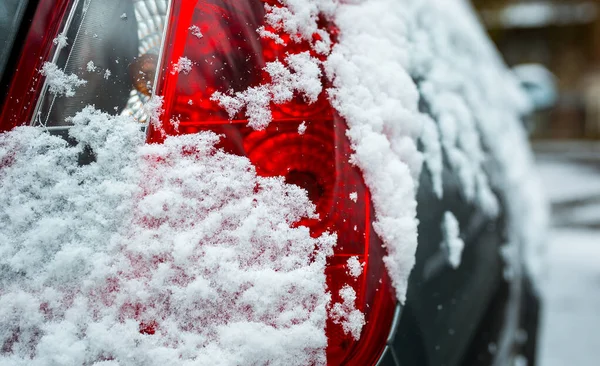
{"x":11,"y":13}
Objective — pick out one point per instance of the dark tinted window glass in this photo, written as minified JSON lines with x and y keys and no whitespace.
{"x":11,"y":12}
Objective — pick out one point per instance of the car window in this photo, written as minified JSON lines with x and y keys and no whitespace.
{"x":11,"y":13}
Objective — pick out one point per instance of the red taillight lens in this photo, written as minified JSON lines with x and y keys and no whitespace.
{"x":230,"y":56}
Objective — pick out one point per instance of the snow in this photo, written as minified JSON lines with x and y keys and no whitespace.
{"x":196,"y":32}
{"x":302,"y":128}
{"x":58,"y":82}
{"x":374,"y":93}
{"x":107,"y":74}
{"x":91,"y":67}
{"x":478,"y":104}
{"x":355,"y":268}
{"x":578,"y":181}
{"x":300,"y":75}
{"x":154,"y":254}
{"x":183,"y":65}
{"x":180,"y":254}
{"x":353,"y":197}
{"x":570,"y":320}
{"x":346,"y":314}
{"x":453,"y":244}
{"x":61,"y":41}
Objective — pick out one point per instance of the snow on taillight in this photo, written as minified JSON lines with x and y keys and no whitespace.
{"x":228,"y":67}
{"x":303,"y":139}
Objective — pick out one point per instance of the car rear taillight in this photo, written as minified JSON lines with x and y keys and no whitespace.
{"x":26,"y":85}
{"x":213,"y":46}
{"x":305,"y":142}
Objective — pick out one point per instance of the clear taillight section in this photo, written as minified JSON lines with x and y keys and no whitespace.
{"x":230,"y":56}
{"x":220,"y":39}
{"x":27,"y":83}
{"x":111,"y":45}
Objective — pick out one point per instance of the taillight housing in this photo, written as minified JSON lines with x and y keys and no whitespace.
{"x":306,"y":141}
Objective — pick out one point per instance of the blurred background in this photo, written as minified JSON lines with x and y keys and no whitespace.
{"x":554,"y":47}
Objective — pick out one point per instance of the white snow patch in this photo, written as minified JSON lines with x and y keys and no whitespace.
{"x":300,"y":74}
{"x":353,"y":197}
{"x":183,"y":65}
{"x":195,"y":30}
{"x":472,"y":94}
{"x":58,"y":82}
{"x":453,"y":244}
{"x":302,"y":128}
{"x":374,"y":93}
{"x":170,"y":254}
{"x":61,"y":41}
{"x":355,"y":268}
{"x":346,"y":314}
{"x":91,"y":67}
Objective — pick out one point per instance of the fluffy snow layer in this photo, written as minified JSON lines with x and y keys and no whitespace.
{"x":153,"y":254}
{"x":472,"y":93}
{"x":426,"y":70}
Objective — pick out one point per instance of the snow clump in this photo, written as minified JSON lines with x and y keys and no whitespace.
{"x":452,"y":244}
{"x":346,"y":314}
{"x":58,"y":82}
{"x":173,"y":254}
{"x":183,"y":65}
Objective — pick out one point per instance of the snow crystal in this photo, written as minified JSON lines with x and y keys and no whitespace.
{"x":183,"y":65}
{"x":91,"y":67}
{"x":355,"y":268}
{"x":354,"y":197}
{"x":173,"y":254}
{"x":107,"y":74}
{"x":124,"y":16}
{"x":346,"y":314}
{"x":452,"y":244}
{"x":60,"y":41}
{"x":58,"y":82}
{"x":195,"y":30}
{"x":302,"y":128}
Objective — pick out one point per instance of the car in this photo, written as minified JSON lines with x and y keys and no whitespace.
{"x":263,"y":182}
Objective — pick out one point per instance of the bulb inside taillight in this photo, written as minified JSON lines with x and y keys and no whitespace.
{"x":306,"y":143}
